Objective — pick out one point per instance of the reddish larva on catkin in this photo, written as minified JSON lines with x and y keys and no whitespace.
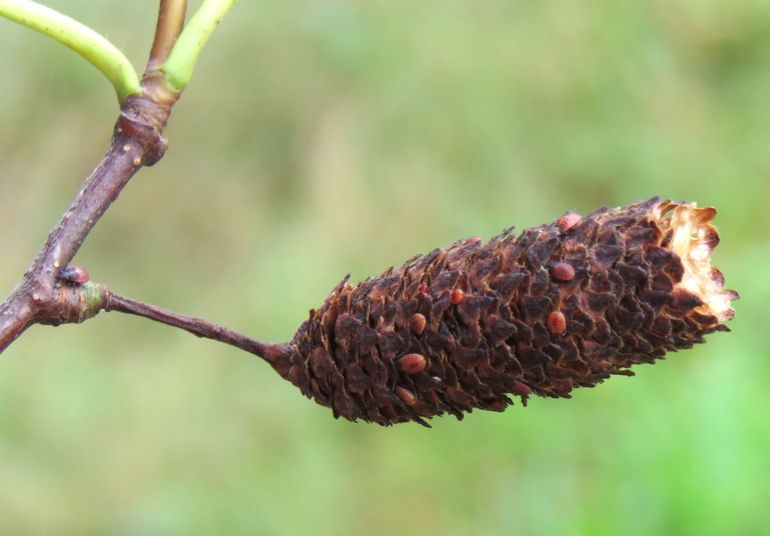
{"x":406,"y":396}
{"x":556,"y":322}
{"x":560,"y":306}
{"x":457,"y":296}
{"x":417,"y":323}
{"x":412,"y":363}
{"x":568,"y":221}
{"x":563,"y":271}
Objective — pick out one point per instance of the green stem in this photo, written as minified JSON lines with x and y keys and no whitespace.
{"x":181,"y":61}
{"x":89,"y":44}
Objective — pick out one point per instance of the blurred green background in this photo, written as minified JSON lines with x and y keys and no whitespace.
{"x":328,"y":136}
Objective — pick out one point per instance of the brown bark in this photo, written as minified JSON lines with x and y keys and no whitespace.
{"x":137,"y":141}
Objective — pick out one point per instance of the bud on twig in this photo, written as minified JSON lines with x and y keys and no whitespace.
{"x":561,"y":306}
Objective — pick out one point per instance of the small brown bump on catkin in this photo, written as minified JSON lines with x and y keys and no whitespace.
{"x":412,"y":363}
{"x":417,"y":323}
{"x":406,"y":396}
{"x":458,"y":295}
{"x":556,"y":322}
{"x":563,"y":271}
{"x":568,"y":221}
{"x":522,"y":388}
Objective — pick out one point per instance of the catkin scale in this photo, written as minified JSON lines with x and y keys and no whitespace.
{"x":560,"y":306}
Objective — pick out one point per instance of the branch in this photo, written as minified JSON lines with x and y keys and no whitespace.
{"x":16,"y":315}
{"x":171,"y":17}
{"x":50,"y":293}
{"x":74,"y":303}
{"x":197,"y":326}
{"x":179,"y":66}
{"x":89,"y":44}
{"x":34,"y":302}
{"x":137,"y":141}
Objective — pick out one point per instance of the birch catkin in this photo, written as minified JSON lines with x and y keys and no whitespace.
{"x":562,"y":305}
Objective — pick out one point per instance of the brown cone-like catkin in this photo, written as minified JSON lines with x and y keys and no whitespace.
{"x":561,"y":306}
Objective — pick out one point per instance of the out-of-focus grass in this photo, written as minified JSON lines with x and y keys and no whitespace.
{"x":322,"y":137}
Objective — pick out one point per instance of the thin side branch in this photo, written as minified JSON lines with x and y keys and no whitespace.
{"x":196,"y":326}
{"x":89,"y":44}
{"x":171,"y":17}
